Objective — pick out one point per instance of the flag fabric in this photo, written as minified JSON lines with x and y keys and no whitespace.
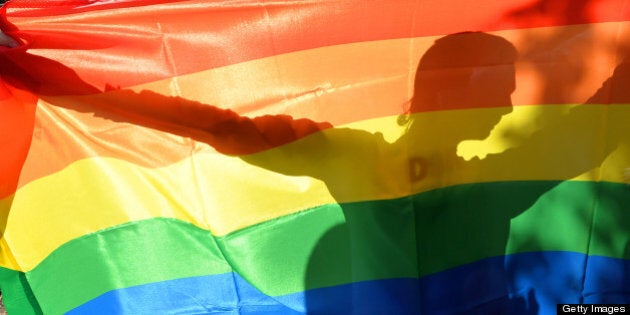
{"x":317,"y":156}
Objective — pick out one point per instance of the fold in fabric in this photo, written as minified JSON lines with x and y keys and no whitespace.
{"x":320,"y":157}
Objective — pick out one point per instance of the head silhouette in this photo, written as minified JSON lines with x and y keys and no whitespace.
{"x":466,"y":70}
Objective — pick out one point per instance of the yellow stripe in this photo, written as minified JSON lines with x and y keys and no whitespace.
{"x":223,"y":194}
{"x":97,"y":193}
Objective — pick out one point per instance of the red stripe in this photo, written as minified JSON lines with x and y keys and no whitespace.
{"x":17,"y":118}
{"x":125,"y":43}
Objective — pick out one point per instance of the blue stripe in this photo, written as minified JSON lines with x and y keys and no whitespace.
{"x":607,"y":281}
{"x":216,"y":294}
{"x":528,"y":283}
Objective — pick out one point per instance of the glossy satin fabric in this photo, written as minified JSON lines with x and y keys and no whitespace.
{"x":313,"y":157}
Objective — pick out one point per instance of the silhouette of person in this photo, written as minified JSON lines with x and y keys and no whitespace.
{"x":464,"y":70}
{"x":460,"y":71}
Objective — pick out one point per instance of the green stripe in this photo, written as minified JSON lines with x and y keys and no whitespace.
{"x":325,"y":246}
{"x":16,"y":293}
{"x":611,"y":229}
{"x":130,"y":254}
{"x":435,"y":230}
{"x":337,"y":244}
{"x":462,"y":224}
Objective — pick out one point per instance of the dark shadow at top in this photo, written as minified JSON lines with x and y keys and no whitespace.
{"x":560,"y":12}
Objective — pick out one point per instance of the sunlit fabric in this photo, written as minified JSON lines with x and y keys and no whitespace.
{"x":320,"y":157}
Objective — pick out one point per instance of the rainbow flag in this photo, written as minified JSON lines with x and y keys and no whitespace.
{"x":316,"y":156}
